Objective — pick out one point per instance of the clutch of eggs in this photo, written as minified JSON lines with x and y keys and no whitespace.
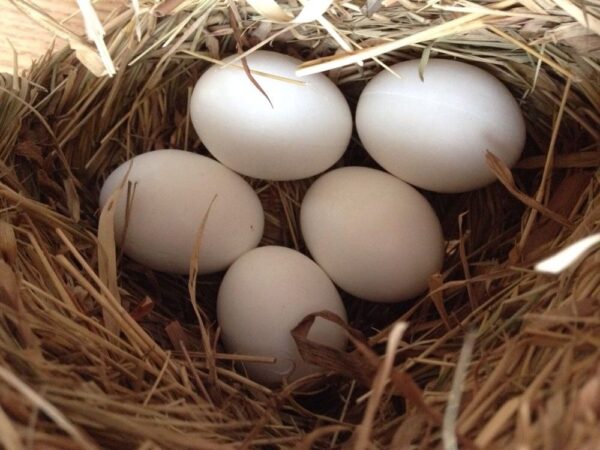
{"x":301,"y":130}
{"x":434,"y":133}
{"x":172,"y":191}
{"x":371,"y":233}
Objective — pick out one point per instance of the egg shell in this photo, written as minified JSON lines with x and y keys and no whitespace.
{"x":173,"y":190}
{"x":376,"y":236}
{"x":305,"y":130}
{"x":435,"y":133}
{"x":263,"y":296}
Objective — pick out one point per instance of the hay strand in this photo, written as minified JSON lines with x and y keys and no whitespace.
{"x":450,"y":414}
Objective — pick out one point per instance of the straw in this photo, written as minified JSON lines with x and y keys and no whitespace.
{"x":97,"y":351}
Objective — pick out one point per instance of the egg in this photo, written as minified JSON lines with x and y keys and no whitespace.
{"x":263,"y":296}
{"x":374,"y":235}
{"x":301,"y":130}
{"x":435,"y":133}
{"x":172,"y":193}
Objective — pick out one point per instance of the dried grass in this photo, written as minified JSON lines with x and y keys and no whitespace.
{"x":88,"y":360}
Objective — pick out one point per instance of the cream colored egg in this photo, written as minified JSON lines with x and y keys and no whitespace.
{"x":434,"y":133}
{"x":264,"y":295}
{"x":373,"y":234}
{"x":172,"y":191}
{"x":302,"y":132}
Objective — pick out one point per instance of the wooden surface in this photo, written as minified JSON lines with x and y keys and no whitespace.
{"x":32,"y":41}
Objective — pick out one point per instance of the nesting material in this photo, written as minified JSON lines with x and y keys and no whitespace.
{"x":99,"y":352}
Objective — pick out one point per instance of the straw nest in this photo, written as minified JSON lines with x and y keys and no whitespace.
{"x":98,"y":352}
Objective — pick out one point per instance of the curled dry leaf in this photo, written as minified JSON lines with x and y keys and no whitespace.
{"x":361,"y":364}
{"x":352,"y":365}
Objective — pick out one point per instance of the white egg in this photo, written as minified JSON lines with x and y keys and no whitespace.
{"x":376,"y":236}
{"x":305,"y":130}
{"x":264,"y":295}
{"x":435,"y":133}
{"x":172,"y":192}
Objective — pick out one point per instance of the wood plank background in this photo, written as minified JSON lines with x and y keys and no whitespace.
{"x":32,"y":41}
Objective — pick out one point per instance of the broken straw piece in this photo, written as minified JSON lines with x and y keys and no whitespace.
{"x":95,"y":32}
{"x":568,"y":256}
{"x":312,"y":10}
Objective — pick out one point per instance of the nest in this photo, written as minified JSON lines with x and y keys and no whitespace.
{"x":99,"y":352}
